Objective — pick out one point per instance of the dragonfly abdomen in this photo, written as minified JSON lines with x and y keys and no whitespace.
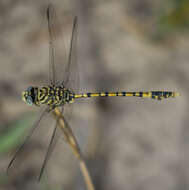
{"x":158,"y":95}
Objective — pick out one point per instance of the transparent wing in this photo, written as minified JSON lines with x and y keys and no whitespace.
{"x":49,"y":151}
{"x":72,"y":81}
{"x":54,"y":138}
{"x":61,"y":70}
{"x":57,"y":51}
{"x":28,"y":155}
{"x":59,"y":155}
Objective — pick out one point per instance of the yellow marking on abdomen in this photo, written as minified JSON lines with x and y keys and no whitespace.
{"x":157,"y":95}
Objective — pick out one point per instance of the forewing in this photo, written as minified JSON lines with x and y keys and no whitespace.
{"x":72,"y":81}
{"x":28,"y":157}
{"x":57,"y":51}
{"x":51,"y":146}
{"x":53,"y":141}
{"x":58,"y":157}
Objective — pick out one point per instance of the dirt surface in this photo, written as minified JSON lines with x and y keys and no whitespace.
{"x":129,"y":143}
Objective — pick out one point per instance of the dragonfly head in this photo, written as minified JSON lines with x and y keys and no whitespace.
{"x":28,"y":96}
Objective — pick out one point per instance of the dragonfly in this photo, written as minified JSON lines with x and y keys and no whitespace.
{"x":63,"y":85}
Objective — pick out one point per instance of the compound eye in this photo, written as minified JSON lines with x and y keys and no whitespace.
{"x":28,"y":96}
{"x":29,"y":100}
{"x":29,"y":89}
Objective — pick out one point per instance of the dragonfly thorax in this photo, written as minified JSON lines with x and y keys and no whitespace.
{"x":51,"y":95}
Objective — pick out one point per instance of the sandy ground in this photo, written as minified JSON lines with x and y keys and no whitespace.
{"x":129,"y":143}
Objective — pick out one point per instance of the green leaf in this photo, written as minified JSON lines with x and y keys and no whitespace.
{"x":15,"y":135}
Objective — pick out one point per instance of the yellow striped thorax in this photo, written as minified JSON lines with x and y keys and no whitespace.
{"x":51,"y":95}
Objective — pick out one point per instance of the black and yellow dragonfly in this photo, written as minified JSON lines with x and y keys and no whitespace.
{"x":63,"y":85}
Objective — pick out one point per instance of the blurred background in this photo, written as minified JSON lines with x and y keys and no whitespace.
{"x":128,"y":143}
